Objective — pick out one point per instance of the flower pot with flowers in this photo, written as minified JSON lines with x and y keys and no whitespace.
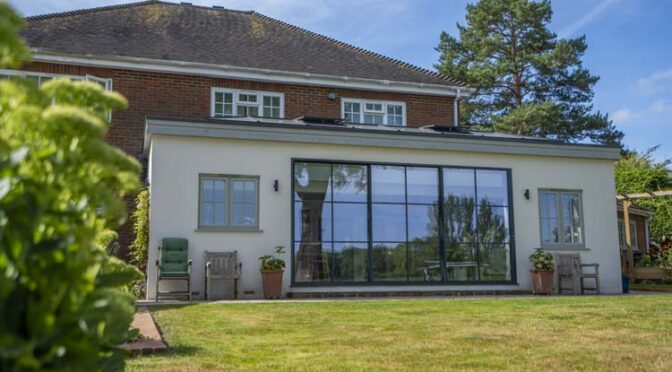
{"x":272,"y":269}
{"x":542,"y":272}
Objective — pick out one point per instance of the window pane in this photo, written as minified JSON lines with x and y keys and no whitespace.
{"x":377,"y":107}
{"x":244,"y":191}
{"x":373,"y":119}
{"x":350,"y":222}
{"x":244,"y":214}
{"x":389,"y":261}
{"x":458,"y":186}
{"x":207,"y":214}
{"x":423,"y":185}
{"x":492,"y":187}
{"x":549,"y":231}
{"x":461,"y":262}
{"x":460,"y":223}
{"x":424,"y":262}
{"x":387,"y":184}
{"x":423,"y":223}
{"x":312,"y":182}
{"x":220,"y":214}
{"x":351,"y":262}
{"x":350,"y":183}
{"x":352,"y":112}
{"x":312,"y":222}
{"x":311,"y":262}
{"x":207,"y":190}
{"x":495,"y":262}
{"x":388,"y":222}
{"x":548,"y":202}
{"x":220,"y":190}
{"x":571,"y":214}
{"x":493,"y":224}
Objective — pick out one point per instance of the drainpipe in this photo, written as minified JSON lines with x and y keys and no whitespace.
{"x":455,"y":116}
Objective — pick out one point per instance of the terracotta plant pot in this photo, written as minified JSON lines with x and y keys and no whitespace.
{"x":542,"y":282}
{"x":272,"y":281}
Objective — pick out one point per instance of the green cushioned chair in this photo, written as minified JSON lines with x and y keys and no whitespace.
{"x":173,"y":264}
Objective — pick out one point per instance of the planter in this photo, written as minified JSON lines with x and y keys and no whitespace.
{"x":272,"y":282}
{"x":542,"y":282}
{"x":651,"y":273}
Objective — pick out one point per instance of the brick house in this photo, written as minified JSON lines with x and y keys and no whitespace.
{"x":256,"y":133}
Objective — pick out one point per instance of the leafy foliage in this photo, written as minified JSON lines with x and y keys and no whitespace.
{"x":139,"y":247}
{"x":529,"y":82}
{"x":273,"y":263}
{"x":63,"y":302}
{"x":541,"y":261}
{"x":640,"y":173}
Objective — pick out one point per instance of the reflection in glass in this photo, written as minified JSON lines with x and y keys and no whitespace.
{"x":549,"y":217}
{"x":492,"y":187}
{"x":350,"y":183}
{"x":571,"y":215}
{"x":312,"y":182}
{"x":422,"y":222}
{"x":460,"y":222}
{"x":495,"y":262}
{"x":350,"y":222}
{"x":388,"y":222}
{"x":458,"y":185}
{"x":312,"y":221}
{"x":424,"y":262}
{"x":311,"y":262}
{"x":389,"y":261}
{"x":387,"y":184}
{"x":461,"y":262}
{"x":423,"y":185}
{"x":351,"y":261}
{"x":493,"y":224}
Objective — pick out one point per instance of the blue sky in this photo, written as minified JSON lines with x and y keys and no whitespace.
{"x":628,"y":44}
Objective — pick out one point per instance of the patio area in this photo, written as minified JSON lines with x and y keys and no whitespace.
{"x":550,"y":333}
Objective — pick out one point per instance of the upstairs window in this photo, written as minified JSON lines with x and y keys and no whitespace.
{"x":373,"y":112}
{"x":227,"y":102}
{"x":41,"y":78}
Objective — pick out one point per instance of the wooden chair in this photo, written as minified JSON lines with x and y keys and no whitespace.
{"x":568,"y":266}
{"x":594,"y":275}
{"x":222,"y":265}
{"x":173,"y":265}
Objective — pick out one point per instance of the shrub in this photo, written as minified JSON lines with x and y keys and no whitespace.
{"x":63,"y":301}
{"x":541,"y":261}
{"x":270,"y":262}
{"x":139,"y":247}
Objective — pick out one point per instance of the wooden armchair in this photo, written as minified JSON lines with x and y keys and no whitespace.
{"x":568,"y":267}
{"x":222,"y":265}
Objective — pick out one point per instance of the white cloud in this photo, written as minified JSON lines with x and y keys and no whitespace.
{"x":586,"y":19}
{"x":656,"y":82}
{"x":621,"y":115}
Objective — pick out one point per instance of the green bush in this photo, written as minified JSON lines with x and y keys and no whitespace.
{"x":138,"y":249}
{"x":63,"y":301}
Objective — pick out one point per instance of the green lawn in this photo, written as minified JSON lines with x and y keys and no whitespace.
{"x":558,"y":333}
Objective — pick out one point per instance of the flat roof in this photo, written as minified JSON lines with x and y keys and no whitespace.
{"x":298,"y":130}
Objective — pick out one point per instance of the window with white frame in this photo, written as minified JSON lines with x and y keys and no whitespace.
{"x":633,"y":234}
{"x":41,"y":78}
{"x":228,"y":202}
{"x":561,"y":218}
{"x":373,"y":112}
{"x":229,"y":102}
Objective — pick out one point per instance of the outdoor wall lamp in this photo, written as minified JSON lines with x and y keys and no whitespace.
{"x":276,"y":185}
{"x":527,"y":194}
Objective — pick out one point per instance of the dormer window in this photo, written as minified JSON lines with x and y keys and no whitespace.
{"x":359,"y":111}
{"x":229,"y":102}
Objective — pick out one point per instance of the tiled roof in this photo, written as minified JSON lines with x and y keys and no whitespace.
{"x":213,"y":35}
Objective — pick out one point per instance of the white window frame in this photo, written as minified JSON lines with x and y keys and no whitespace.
{"x":384,"y":111}
{"x":559,"y":211}
{"x":260,"y":101}
{"x":105,"y":81}
{"x":633,"y":234}
{"x":228,"y":203}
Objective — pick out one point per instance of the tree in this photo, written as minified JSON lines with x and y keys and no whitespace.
{"x":640,"y":173}
{"x":64,"y":302}
{"x":528,"y":81}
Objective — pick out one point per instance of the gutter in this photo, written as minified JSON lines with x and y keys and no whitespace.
{"x":245,"y":73}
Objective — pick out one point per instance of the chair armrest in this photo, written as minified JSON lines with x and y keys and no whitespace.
{"x":189,"y":266}
{"x":593,"y":264}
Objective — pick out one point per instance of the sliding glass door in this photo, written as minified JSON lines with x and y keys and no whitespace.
{"x":389,"y":223}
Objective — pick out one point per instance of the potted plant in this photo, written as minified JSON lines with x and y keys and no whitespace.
{"x":272,"y":268}
{"x":542,"y":272}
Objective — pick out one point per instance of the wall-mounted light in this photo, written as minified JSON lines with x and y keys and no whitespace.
{"x":527,"y":194}
{"x":331,"y":96}
{"x":276,"y":185}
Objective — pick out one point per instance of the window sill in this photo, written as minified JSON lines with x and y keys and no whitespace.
{"x":560,"y":248}
{"x":228,"y":229}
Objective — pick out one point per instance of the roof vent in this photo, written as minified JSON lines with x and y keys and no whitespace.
{"x":448,"y":128}
{"x":321,"y":120}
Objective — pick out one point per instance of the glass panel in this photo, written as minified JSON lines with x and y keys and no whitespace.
{"x":312,"y":222}
{"x":207,"y":190}
{"x":423,"y":185}
{"x":220,"y":213}
{"x":492,"y":187}
{"x":351,"y":261}
{"x":571,"y":214}
{"x":207,"y":214}
{"x":220,"y":190}
{"x":461,"y":262}
{"x":311,"y":262}
{"x":350,"y":183}
{"x":389,"y":261}
{"x":374,"y":119}
{"x":495,"y":262}
{"x":388,"y":222}
{"x":350,"y":222}
{"x":424,"y":262}
{"x":458,"y":186}
{"x":493,"y":224}
{"x":387,"y":184}
{"x":460,"y":223}
{"x":377,"y":107}
{"x":548,"y":202}
{"x":423,"y":223}
{"x":352,"y":112}
{"x":312,"y":182}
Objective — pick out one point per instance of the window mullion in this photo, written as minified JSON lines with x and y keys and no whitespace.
{"x":561,"y":228}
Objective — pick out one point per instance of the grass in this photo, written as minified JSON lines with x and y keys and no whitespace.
{"x":595,"y":333}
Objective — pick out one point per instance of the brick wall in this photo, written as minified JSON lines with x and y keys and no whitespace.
{"x":182,"y":96}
